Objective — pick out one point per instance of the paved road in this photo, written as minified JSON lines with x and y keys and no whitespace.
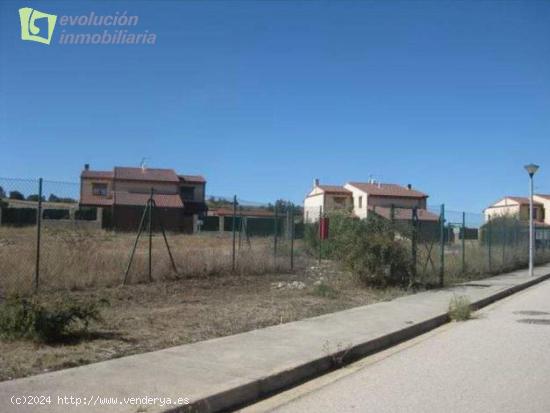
{"x":497,"y":362}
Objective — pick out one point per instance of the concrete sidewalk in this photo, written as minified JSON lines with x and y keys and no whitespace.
{"x":226,"y":372}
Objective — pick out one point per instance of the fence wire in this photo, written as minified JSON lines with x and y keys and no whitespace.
{"x":48,"y":240}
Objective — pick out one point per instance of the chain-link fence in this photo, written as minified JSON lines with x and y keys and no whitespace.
{"x":49,"y":241}
{"x":429,"y":247}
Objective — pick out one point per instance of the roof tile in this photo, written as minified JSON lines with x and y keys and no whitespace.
{"x":145,"y":174}
{"x":97,"y":174}
{"x":335,"y":189}
{"x":192,"y":178}
{"x":381,"y":189}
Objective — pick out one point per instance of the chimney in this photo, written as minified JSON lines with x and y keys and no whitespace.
{"x":316,"y":182}
{"x":86,"y":166}
{"x":409,"y":187}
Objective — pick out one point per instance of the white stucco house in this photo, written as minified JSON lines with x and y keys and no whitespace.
{"x":364,"y":198}
{"x":323,"y":198}
{"x":518,"y":206}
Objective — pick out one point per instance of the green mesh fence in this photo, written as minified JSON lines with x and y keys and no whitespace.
{"x":47,"y":239}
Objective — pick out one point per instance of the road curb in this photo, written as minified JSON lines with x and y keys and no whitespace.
{"x":264,"y":387}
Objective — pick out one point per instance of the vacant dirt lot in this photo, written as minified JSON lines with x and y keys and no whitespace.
{"x":146,"y":317}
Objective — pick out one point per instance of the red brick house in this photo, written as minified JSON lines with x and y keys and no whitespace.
{"x":123,"y":193}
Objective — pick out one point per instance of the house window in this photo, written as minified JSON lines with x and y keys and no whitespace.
{"x":360,"y":202}
{"x":99,"y":189}
{"x":187,"y":192}
{"x":339,"y":202}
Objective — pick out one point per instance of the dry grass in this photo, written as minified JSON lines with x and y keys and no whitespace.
{"x":76,"y":259}
{"x":146,"y":317}
{"x":480,"y":262}
{"x":204,"y":300}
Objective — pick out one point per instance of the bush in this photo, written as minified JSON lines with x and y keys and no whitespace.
{"x":86,"y":214}
{"x":16,"y":195}
{"x":24,"y":318}
{"x":35,"y":198}
{"x":460,"y":309}
{"x":324,"y":290}
{"x":368,"y":247}
{"x":56,"y":214}
{"x":19,"y":216}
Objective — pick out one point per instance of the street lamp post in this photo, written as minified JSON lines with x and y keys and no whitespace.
{"x":531,"y":170}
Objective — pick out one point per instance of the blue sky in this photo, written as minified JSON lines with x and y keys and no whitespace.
{"x":262,"y":97}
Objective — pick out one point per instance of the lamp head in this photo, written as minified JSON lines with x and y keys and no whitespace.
{"x":531,"y":169}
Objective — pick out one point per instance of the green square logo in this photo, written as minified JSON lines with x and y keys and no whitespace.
{"x":30,"y":31}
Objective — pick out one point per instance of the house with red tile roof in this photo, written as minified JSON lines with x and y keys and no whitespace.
{"x":123,"y":193}
{"x":324,"y":198}
{"x":364,"y":198}
{"x":517,"y":206}
{"x":544,"y":200}
{"x":380,"y":198}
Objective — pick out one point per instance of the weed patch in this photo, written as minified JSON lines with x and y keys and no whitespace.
{"x":324,"y":290}
{"x":460,"y":309}
{"x":58,"y":321}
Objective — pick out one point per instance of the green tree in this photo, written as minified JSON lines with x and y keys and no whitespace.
{"x":17,"y":195}
{"x":35,"y":198}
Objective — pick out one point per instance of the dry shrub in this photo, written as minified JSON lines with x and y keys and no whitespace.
{"x":460,"y":308}
{"x":51,"y":322}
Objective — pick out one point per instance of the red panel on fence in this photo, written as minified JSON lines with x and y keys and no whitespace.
{"x":323,"y":228}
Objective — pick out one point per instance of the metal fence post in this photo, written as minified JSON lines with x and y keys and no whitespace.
{"x":150,"y":230}
{"x":414,"y":245}
{"x":489,"y":244}
{"x":319,"y":233}
{"x":275,"y":230}
{"x":392,"y":235}
{"x":233,"y":230}
{"x":291,"y":222}
{"x":38,"y":228}
{"x":442,"y":245}
{"x":463,"y":242}
{"x":503,"y":239}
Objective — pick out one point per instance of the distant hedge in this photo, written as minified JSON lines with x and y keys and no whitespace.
{"x":86,"y":214}
{"x":18,"y":216}
{"x":56,"y":214}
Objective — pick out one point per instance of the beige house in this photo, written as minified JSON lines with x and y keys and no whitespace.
{"x":544,"y":200}
{"x":380,"y":198}
{"x":364,"y":198}
{"x":518,"y":206}
{"x":323,"y":198}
